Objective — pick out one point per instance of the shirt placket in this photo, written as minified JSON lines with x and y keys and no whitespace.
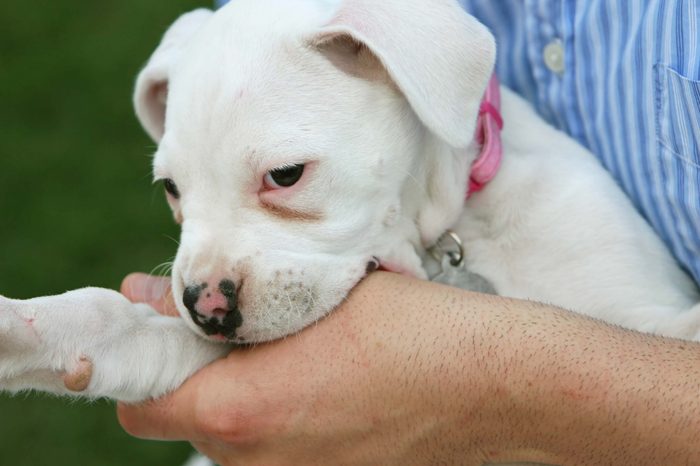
{"x":549,"y":29}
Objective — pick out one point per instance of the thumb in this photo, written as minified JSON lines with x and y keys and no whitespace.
{"x":155,"y":291}
{"x":184,"y":413}
{"x":167,"y":418}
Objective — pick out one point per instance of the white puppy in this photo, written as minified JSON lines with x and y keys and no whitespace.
{"x":304,"y":141}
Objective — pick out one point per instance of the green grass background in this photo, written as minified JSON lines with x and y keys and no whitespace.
{"x":77,"y":206}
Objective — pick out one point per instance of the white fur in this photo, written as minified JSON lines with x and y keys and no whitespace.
{"x":137,"y":353}
{"x":379,"y":99}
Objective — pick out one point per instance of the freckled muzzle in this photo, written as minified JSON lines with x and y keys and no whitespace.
{"x":214,"y":310}
{"x":264,"y":297}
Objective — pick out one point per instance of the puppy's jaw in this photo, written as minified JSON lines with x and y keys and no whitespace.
{"x":287,"y":303}
{"x":276,"y":298}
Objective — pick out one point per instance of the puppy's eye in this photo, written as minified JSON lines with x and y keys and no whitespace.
{"x":284,"y":177}
{"x":171,"y":188}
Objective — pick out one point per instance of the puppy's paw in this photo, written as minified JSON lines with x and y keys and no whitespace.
{"x":17,"y":333}
{"x":95,"y":343}
{"x":42,"y":340}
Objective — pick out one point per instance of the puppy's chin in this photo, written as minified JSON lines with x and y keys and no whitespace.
{"x":268,"y":324}
{"x":272,"y":317}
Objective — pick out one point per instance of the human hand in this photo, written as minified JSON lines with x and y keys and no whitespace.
{"x":394,"y":376}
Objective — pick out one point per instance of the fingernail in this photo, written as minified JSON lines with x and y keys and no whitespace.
{"x":145,"y":288}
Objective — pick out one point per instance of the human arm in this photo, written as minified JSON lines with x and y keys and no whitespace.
{"x":408,"y":372}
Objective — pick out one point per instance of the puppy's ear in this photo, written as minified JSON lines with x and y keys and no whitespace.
{"x":152,"y":83}
{"x":439,"y":57}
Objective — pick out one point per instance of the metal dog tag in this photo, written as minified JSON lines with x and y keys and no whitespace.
{"x":448,"y":254}
{"x":459,"y":276}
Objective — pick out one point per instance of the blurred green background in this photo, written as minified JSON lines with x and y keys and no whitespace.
{"x":76,"y":202}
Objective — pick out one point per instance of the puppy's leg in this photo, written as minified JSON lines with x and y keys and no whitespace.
{"x":95,"y":343}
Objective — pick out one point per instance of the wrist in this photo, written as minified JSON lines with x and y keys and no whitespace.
{"x":507,"y":387}
{"x":488,"y":397}
{"x":453,"y":360}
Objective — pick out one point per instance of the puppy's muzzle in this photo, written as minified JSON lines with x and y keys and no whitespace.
{"x":214,"y":308}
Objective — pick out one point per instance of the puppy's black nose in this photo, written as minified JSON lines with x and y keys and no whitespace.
{"x":215,"y":310}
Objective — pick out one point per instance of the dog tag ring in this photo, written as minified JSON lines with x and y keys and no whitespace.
{"x":453,"y":271}
{"x":460,"y":277}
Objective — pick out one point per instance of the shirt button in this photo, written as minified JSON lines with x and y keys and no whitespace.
{"x":554,"y":56}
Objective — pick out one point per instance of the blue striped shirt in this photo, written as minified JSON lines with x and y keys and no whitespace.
{"x":629,"y":91}
{"x":626,"y":85}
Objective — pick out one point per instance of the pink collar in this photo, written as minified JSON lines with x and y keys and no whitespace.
{"x":488,"y":134}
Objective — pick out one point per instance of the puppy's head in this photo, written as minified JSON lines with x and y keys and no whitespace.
{"x":303,"y":141}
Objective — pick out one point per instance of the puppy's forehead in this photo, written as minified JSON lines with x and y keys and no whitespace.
{"x":245,"y":28}
{"x":276,"y":16}
{"x":250,"y":95}
{"x":249,"y":82}
{"x":247,"y":59}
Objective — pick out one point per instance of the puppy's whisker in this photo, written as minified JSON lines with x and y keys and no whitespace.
{"x":177,"y":242}
{"x":170,"y":297}
{"x":163,"y":269}
{"x":157,"y":269}
{"x":147,"y":175}
{"x":289,"y":313}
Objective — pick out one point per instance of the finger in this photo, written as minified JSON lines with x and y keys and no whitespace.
{"x":168,"y":418}
{"x":179,"y":415}
{"x":155,"y":291}
{"x":224,"y":454}
{"x":144,"y":288}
